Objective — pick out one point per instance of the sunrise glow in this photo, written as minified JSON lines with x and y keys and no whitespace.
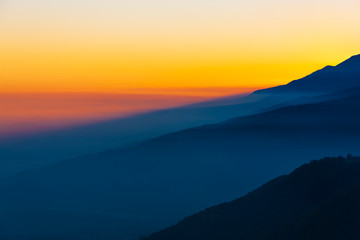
{"x":189,"y":49}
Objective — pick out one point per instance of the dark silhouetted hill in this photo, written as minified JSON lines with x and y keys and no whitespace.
{"x":337,"y":219}
{"x":319,"y":200}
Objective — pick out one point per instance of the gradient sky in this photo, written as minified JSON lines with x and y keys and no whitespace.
{"x":122,"y":45}
{"x":157,"y":54}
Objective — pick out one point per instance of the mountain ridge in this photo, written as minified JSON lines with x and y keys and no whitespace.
{"x":196,"y":163}
{"x":277,"y":203}
{"x":330,"y":78}
{"x":159,"y":181}
{"x":47,"y":148}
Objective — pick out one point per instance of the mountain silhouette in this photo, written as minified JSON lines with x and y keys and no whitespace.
{"x":29,"y":152}
{"x":149,"y":186}
{"x":145,"y":187}
{"x":319,"y":200}
{"x":329,"y":79}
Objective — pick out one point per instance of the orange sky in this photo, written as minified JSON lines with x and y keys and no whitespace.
{"x":24,"y":113}
{"x":145,"y":55}
{"x":120,"y":46}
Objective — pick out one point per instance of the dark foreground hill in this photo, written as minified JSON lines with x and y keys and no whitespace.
{"x":338,"y":219}
{"x":147,"y":187}
{"x":320,"y":200}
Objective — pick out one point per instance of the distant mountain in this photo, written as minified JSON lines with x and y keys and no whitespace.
{"x":319,"y":200}
{"x":329,"y":79}
{"x":154,"y":184}
{"x":45,"y":148}
{"x":29,"y":152}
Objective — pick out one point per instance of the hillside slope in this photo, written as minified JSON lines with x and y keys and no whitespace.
{"x":34,"y":151}
{"x":158,"y":182}
{"x":313,"y":202}
{"x":337,"y":219}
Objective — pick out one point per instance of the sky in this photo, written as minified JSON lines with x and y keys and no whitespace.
{"x":121,"y":45}
{"x":190,"y":48}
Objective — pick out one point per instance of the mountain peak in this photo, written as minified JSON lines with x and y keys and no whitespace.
{"x":328,"y":67}
{"x":355,"y":57}
{"x":352,"y":61}
{"x":326,"y":80}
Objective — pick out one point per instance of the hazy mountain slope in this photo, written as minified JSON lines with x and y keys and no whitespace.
{"x":283,"y":200}
{"x":164,"y":179}
{"x":37,"y":150}
{"x":46,"y":148}
{"x":318,"y":98}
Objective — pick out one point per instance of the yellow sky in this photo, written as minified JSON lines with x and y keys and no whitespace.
{"x":116,"y":46}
